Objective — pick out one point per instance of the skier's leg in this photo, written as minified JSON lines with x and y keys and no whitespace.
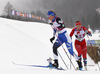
{"x":84,"y":52}
{"x":69,"y":46}
{"x":78,"y":59}
{"x":55,"y":46}
{"x":79,"y":51}
{"x":85,"y":57}
{"x":55,"y":53}
{"x":78,"y":48}
{"x":68,"y":43}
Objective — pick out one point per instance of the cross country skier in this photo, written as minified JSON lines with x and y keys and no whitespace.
{"x":80,"y":43}
{"x":63,"y":37}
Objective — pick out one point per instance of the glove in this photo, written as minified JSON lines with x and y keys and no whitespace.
{"x":51,"y":39}
{"x":76,"y":36}
{"x":89,"y":34}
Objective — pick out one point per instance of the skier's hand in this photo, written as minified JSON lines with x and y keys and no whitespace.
{"x":89,"y":34}
{"x":50,"y":22}
{"x":76,"y":36}
{"x":51,"y":39}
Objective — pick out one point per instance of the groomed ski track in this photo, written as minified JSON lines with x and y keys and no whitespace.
{"x":28,"y":43}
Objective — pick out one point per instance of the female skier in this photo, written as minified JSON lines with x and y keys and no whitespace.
{"x":80,"y":43}
{"x":63,"y":37}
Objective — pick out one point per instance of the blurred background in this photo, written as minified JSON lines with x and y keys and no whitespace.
{"x":86,"y":11}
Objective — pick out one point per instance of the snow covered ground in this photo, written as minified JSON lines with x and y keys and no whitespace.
{"x":28,"y":43}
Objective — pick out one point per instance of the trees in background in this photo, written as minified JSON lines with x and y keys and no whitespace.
{"x":69,"y":10}
{"x":7,"y":10}
{"x":8,"y":14}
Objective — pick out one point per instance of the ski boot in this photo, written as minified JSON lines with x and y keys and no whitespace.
{"x":50,"y":62}
{"x":85,"y":64}
{"x":55,"y":64}
{"x":79,"y":64}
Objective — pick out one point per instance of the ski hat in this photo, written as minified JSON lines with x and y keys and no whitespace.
{"x":78,"y":23}
{"x":51,"y":13}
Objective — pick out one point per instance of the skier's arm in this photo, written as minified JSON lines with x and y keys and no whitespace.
{"x":72,"y":32}
{"x":54,"y":32}
{"x":60,"y":21}
{"x":51,"y":39}
{"x":87,"y":31}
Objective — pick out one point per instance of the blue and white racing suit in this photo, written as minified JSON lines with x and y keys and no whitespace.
{"x":63,"y":37}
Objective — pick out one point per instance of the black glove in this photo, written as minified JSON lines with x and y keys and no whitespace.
{"x":89,"y":34}
{"x":51,"y":39}
{"x":76,"y":36}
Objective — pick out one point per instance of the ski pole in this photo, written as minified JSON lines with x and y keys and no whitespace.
{"x":89,"y":41}
{"x":70,"y":62}
{"x":62,"y":60}
{"x":65,"y":51}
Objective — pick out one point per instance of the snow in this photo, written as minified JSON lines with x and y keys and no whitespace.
{"x":28,"y":43}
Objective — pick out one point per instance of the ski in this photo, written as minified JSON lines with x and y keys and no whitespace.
{"x":41,"y":66}
{"x":50,"y":67}
{"x":80,"y":70}
{"x":77,"y":69}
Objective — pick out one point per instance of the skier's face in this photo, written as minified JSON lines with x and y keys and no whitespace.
{"x":51,"y":17}
{"x":78,"y":27}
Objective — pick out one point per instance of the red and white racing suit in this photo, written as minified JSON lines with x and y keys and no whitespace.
{"x":80,"y":43}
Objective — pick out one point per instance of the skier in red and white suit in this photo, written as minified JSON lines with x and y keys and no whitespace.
{"x":80,"y":43}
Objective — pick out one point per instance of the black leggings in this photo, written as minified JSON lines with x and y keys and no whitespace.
{"x":55,"y":46}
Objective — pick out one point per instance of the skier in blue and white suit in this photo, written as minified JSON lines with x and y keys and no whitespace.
{"x":63,"y":37}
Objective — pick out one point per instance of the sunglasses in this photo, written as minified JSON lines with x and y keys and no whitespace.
{"x":49,"y":15}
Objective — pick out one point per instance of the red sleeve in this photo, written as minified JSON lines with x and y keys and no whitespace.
{"x":72,"y":32}
{"x":85,"y":29}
